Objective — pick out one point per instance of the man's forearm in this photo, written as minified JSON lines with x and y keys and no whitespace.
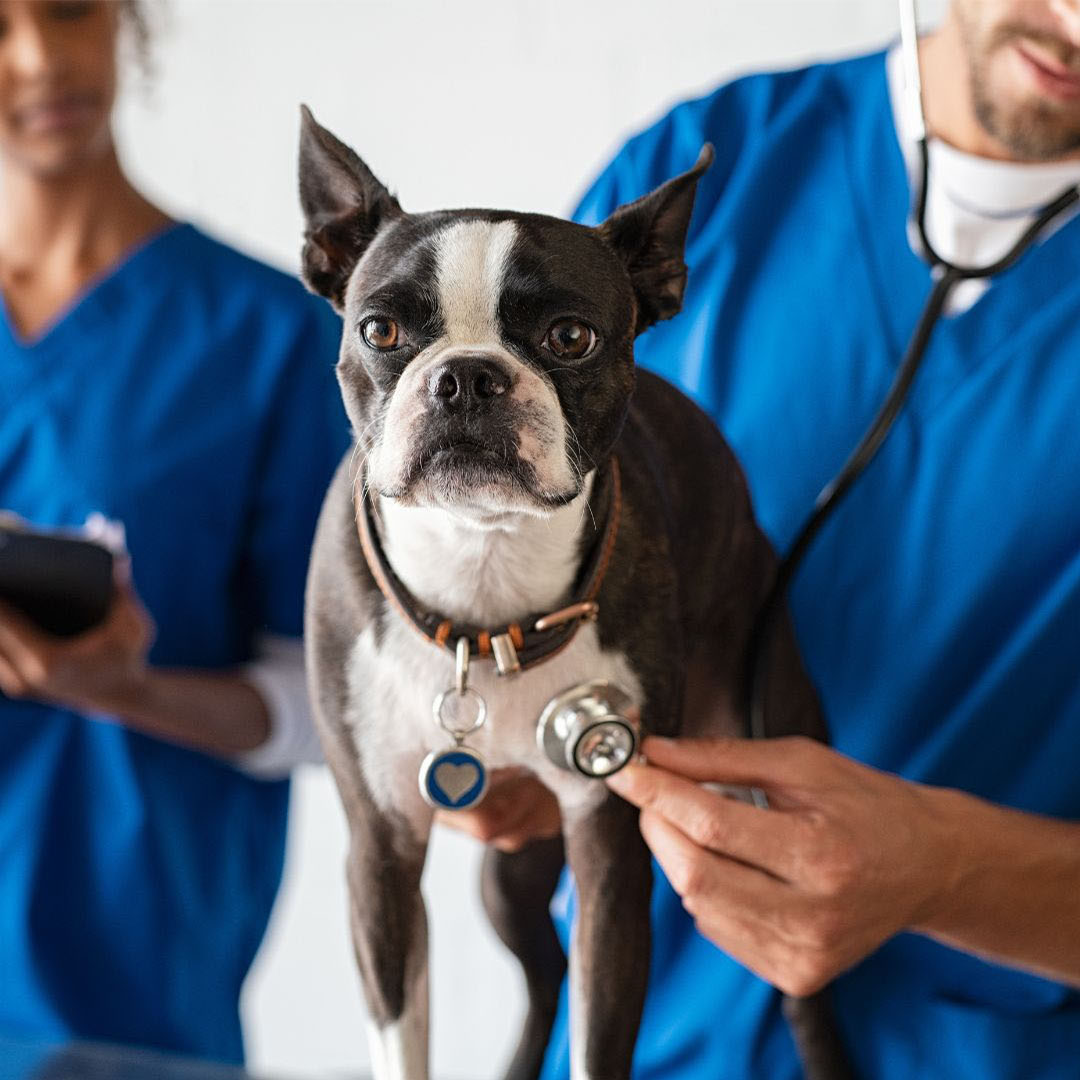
{"x":1014,"y":895}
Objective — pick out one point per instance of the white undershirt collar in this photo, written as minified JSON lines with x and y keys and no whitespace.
{"x":976,"y":207}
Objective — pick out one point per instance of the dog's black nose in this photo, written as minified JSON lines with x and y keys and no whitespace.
{"x":465,"y":382}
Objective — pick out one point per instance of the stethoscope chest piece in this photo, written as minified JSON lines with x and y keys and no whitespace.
{"x":593,"y":729}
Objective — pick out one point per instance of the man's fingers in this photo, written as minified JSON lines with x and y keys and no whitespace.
{"x":737,"y":908}
{"x":762,"y":838}
{"x":705,"y":880}
{"x":742,"y":762}
{"x":741,"y":910}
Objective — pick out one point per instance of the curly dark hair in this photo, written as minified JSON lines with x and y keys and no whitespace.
{"x":136,"y":21}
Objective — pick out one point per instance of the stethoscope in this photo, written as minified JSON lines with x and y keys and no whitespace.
{"x":946,"y":276}
{"x":593,"y":729}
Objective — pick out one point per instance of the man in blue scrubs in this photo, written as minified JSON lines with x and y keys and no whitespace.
{"x":152,"y":377}
{"x":938,"y":611}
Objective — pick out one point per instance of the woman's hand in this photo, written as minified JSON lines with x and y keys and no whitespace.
{"x":516,"y":810}
{"x":105,"y":671}
{"x":845,"y":857}
{"x":92,"y":672}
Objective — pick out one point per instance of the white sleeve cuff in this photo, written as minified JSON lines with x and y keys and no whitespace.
{"x":278,"y":676}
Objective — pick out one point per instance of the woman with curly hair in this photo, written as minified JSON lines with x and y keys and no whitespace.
{"x":155,"y":377}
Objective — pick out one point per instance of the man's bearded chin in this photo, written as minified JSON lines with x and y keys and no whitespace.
{"x":1031,"y":127}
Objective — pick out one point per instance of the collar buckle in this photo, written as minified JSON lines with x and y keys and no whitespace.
{"x":505,"y":653}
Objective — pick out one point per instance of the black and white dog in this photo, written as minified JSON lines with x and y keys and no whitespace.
{"x":521,"y":497}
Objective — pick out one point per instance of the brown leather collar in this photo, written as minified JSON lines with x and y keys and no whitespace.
{"x":518,"y":645}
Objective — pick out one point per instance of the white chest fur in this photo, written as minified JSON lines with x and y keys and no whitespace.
{"x":484,"y":576}
{"x":391,"y":690}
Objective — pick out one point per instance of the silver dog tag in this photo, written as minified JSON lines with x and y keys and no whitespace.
{"x":454,"y":779}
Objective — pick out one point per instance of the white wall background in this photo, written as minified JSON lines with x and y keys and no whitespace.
{"x":511,"y":103}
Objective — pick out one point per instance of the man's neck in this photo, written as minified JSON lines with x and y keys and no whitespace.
{"x":947,"y":95}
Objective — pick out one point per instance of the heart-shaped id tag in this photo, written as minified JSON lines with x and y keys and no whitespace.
{"x":454,"y":779}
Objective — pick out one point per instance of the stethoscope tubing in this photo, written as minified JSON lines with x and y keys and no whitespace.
{"x":946,"y":276}
{"x":942,"y":266}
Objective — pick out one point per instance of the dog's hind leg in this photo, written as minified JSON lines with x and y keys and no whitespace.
{"x":389,"y":928}
{"x":816,"y":1037}
{"x":792,"y":708}
{"x":517,"y":888}
{"x":609,"y":953}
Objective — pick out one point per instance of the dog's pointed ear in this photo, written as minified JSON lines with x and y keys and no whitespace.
{"x":649,"y":235}
{"x":344,"y":207}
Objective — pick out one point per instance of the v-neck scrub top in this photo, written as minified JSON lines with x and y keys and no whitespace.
{"x":190,"y":395}
{"x":938,"y":611}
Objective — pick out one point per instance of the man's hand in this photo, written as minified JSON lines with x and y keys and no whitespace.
{"x":517,"y":809}
{"x":92,"y":672}
{"x":844,"y":858}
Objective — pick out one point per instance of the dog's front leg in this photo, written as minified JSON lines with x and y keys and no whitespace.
{"x":609,"y":954}
{"x":389,"y":927}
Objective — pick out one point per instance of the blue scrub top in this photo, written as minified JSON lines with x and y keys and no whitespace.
{"x":190,"y":395}
{"x":939,"y":610}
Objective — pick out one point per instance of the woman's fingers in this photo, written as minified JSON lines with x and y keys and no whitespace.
{"x":516,"y":810}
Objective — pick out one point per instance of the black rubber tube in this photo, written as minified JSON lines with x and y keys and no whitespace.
{"x":833,"y":492}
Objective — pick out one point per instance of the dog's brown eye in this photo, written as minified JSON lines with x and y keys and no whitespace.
{"x":381,"y":333}
{"x":570,"y":339}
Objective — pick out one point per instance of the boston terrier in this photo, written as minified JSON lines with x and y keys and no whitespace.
{"x":527,"y":523}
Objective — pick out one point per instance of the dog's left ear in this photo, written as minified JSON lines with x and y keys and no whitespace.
{"x":344,"y":207}
{"x":649,"y":235}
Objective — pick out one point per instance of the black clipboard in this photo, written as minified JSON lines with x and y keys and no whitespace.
{"x":62,"y":584}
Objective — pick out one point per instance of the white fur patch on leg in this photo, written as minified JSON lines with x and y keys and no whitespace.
{"x":578,"y":1018}
{"x":399,"y":1051}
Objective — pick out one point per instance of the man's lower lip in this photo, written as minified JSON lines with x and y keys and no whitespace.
{"x":1066,"y":87}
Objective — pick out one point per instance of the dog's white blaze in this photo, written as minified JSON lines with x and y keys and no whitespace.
{"x":471,"y":258}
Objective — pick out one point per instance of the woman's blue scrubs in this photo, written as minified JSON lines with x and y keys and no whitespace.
{"x":939,"y":610}
{"x":190,"y":395}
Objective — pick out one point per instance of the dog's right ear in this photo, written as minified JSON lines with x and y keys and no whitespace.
{"x":344,"y":206}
